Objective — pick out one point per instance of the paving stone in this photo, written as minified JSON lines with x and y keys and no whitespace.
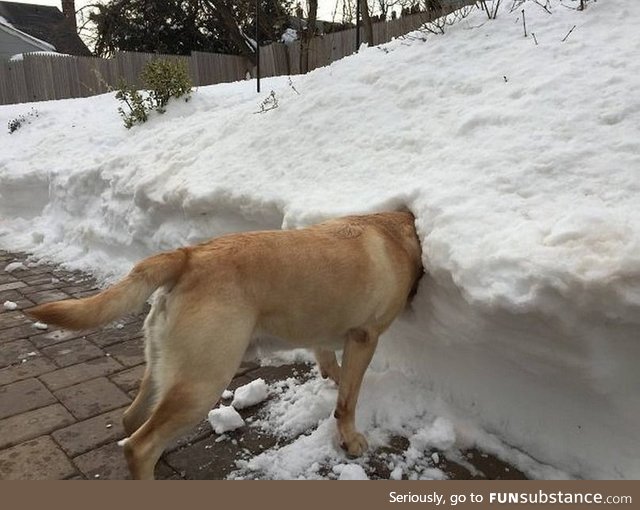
{"x":211,"y":460}
{"x":111,"y":335}
{"x":84,"y":294}
{"x":23,"y":396}
{"x":34,"y":268}
{"x":6,"y":278}
{"x":14,"y":296}
{"x":108,"y":463}
{"x":128,"y":353}
{"x":44,"y":287}
{"x":278,"y":373}
{"x":246,"y":366}
{"x":237,"y":382}
{"x":81,"y":372}
{"x":55,"y":336}
{"x":33,"y":424}
{"x":12,"y":319}
{"x":12,"y":286}
{"x":129,"y":380}
{"x":7,"y":335}
{"x":199,"y":432}
{"x":91,"y":398}
{"x":75,"y":290}
{"x":89,"y":434}
{"x":32,"y":367}
{"x":38,"y":459}
{"x":72,"y":352}
{"x":38,"y":279}
{"x":12,"y":353}
{"x":44,"y":296}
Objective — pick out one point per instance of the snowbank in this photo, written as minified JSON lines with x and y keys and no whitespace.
{"x":520,"y":160}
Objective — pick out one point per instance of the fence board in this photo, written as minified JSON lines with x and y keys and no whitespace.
{"x":6,"y":92}
{"x":16,"y":83}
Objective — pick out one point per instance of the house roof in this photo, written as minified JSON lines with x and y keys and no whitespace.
{"x":7,"y":27}
{"x":45,"y":23}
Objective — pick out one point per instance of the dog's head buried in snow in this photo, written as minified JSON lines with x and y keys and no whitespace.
{"x":335,"y":285}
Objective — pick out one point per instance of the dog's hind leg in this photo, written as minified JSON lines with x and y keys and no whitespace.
{"x":140,"y":410}
{"x":358,"y":351}
{"x":199,"y":357}
{"x":328,"y":364}
{"x":181,"y":407}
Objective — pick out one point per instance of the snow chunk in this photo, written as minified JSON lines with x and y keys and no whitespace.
{"x":41,"y":325}
{"x":224,"y":419}
{"x":227,"y":394}
{"x":440,"y":435}
{"x":10,"y":305}
{"x":396,"y":474}
{"x":250,"y":394}
{"x":14,"y":266}
{"x":350,"y":472}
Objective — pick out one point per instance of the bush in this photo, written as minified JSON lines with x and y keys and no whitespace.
{"x":166,"y":79}
{"x":163,"y":79}
{"x":138,"y":108}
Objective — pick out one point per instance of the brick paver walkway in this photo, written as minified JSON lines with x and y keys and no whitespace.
{"x":62,"y":395}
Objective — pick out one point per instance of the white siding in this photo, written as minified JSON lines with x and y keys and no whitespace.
{"x":11,"y":44}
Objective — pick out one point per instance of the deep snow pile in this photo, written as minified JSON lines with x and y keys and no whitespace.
{"x":520,"y":160}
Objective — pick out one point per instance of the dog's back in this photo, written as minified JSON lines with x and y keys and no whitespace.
{"x":312,"y":285}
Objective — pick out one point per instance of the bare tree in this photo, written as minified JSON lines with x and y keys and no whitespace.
{"x":366,"y":22}
{"x":308,"y":34}
{"x":225,"y":8}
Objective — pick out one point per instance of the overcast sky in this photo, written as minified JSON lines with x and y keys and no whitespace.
{"x":325,"y":7}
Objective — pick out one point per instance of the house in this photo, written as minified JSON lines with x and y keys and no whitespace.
{"x":28,"y":27}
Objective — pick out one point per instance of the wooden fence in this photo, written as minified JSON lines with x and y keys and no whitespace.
{"x":45,"y":77}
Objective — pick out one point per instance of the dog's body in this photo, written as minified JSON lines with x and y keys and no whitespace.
{"x":336,"y":285}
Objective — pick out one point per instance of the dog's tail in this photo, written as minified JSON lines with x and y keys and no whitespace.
{"x":126,"y":296}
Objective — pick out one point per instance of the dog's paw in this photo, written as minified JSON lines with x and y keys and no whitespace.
{"x":356,"y":445}
{"x":334,"y":376}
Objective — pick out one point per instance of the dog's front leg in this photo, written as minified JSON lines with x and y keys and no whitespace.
{"x":328,"y":364}
{"x":358,"y":351}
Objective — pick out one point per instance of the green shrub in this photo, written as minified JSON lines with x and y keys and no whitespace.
{"x":137,"y":104}
{"x":165,"y":79}
{"x":162,"y":79}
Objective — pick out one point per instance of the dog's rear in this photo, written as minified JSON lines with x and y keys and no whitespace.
{"x":344,"y":280}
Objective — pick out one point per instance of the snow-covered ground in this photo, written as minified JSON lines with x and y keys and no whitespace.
{"x":521,"y":162}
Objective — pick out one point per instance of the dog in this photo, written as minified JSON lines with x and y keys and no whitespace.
{"x":335,"y":285}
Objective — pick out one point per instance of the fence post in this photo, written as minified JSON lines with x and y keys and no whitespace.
{"x":258,"y":45}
